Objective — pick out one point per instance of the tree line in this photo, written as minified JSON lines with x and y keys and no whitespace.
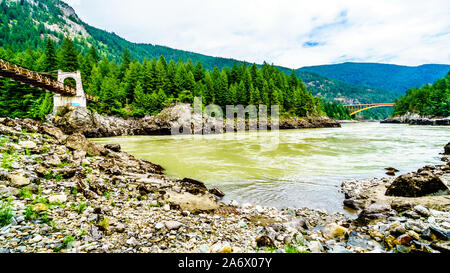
{"x":133,"y":88}
{"x":430,"y":100}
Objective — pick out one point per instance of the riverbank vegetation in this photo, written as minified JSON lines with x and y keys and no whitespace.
{"x":336,"y":111}
{"x":430,"y":100}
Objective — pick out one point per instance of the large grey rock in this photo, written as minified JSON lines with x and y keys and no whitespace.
{"x":416,"y":185}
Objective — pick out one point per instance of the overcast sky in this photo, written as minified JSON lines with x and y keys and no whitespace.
{"x":284,"y":32}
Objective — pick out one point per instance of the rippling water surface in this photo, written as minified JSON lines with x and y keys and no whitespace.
{"x":291,"y":168}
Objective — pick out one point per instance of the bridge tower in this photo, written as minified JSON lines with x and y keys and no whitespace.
{"x":78,"y":100}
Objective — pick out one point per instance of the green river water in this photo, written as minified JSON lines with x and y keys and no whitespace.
{"x":291,"y":168}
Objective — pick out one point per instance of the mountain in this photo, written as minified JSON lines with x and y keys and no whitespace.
{"x":383,"y":76}
{"x":347,"y":93}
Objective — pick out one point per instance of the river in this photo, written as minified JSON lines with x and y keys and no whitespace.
{"x":291,"y":168}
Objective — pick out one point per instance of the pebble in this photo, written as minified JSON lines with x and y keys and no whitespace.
{"x":61,"y":198}
{"x":422,"y":211}
{"x":21,"y":249}
{"x":204,"y":249}
{"x":315,"y":247}
{"x":173,"y":225}
{"x":36,"y":239}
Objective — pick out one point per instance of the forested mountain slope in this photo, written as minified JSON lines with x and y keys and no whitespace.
{"x":384,"y":76}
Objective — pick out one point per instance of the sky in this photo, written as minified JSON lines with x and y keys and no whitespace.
{"x":289,"y":33}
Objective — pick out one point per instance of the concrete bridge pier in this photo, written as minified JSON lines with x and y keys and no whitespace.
{"x":79,"y":100}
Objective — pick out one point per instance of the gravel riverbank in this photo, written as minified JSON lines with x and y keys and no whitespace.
{"x":63,"y":193}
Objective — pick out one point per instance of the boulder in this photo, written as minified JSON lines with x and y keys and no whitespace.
{"x":52,"y":131}
{"x":113,"y":147}
{"x":401,"y":206}
{"x":80,"y":142}
{"x":52,"y":161}
{"x":374,"y":212}
{"x":333,"y":230}
{"x":353,"y":203}
{"x":18,"y":181}
{"x":416,"y":185}
{"x":264,"y":240}
{"x":193,"y":186}
{"x":217,"y":192}
{"x":447,"y":149}
{"x":422,"y":210}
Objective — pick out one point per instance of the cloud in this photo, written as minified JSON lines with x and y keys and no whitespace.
{"x":288,"y":33}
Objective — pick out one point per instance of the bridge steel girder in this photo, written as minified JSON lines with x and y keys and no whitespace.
{"x":357,"y":108}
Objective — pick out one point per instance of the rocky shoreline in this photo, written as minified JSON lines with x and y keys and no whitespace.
{"x":93,"y":125}
{"x":415,"y":119}
{"x":63,"y":193}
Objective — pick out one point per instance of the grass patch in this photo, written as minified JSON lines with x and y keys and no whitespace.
{"x":63,"y":164}
{"x":293,"y":249}
{"x":79,"y":208}
{"x":45,"y":149}
{"x":31,"y":215}
{"x":6,"y":214}
{"x":104,"y":224}
{"x":25,"y":194}
{"x":7,"y":159}
{"x":3,"y":141}
{"x":50,"y":176}
{"x":68,"y":241}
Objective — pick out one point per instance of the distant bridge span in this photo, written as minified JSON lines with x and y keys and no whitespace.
{"x":357,"y":108}
{"x":65,"y":95}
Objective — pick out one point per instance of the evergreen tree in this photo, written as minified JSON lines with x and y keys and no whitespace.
{"x":199,"y":72}
{"x":69,"y":56}
{"x":126,"y":60}
{"x":50,"y":58}
{"x":93,"y":56}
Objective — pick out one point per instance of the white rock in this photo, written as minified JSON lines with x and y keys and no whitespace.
{"x":61,"y":198}
{"x":18,"y":181}
{"x":27,"y":144}
{"x":219,"y":247}
{"x":36,"y":239}
{"x":159,"y":226}
{"x":132,"y":241}
{"x":315,"y":247}
{"x":204,"y":249}
{"x":422,"y":210}
{"x":173,"y":225}
{"x":186,"y":213}
{"x":259,"y":209}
